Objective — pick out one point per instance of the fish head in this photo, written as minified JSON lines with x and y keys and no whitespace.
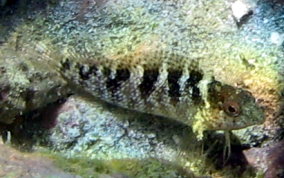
{"x":228,"y":108}
{"x":233,"y":108}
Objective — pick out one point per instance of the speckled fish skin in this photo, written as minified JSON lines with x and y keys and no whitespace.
{"x":167,"y":58}
{"x":147,"y":59}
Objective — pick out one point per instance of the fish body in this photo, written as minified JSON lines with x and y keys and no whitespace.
{"x":166,"y":58}
{"x":147,"y":56}
{"x":183,"y":95}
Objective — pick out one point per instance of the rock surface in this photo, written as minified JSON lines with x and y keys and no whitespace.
{"x":89,"y":129}
{"x":27,"y":165}
{"x":268,"y":159}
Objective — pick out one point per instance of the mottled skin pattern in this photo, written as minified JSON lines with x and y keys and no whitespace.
{"x":157,"y":57}
{"x":139,"y":58}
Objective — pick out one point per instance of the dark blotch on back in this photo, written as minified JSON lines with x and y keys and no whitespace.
{"x":66,"y":65}
{"x":194,"y":78}
{"x":106,"y":72}
{"x":196,"y":94}
{"x":86,"y":73}
{"x":147,"y":85}
{"x":174,"y":88}
{"x":113,"y":84}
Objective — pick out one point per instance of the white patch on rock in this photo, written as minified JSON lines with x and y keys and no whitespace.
{"x":277,"y":38}
{"x":241,"y":10}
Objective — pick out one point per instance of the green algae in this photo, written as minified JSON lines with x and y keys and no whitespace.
{"x":195,"y":159}
{"x":133,"y":168}
{"x":150,"y":167}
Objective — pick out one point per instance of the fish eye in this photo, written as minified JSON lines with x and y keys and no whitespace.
{"x":232,"y":108}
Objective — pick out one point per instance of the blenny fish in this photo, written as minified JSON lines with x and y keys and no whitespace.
{"x":166,"y":58}
{"x":143,"y":56}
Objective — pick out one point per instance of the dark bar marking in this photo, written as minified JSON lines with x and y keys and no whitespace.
{"x":66,"y":65}
{"x":196,"y":93}
{"x":106,"y":72}
{"x":147,"y":85}
{"x":114,"y":84}
{"x":174,"y":88}
{"x":86,"y":73}
{"x":194,"y":78}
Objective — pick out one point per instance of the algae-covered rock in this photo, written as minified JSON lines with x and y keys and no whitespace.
{"x":28,"y":79}
{"x":97,"y":131}
{"x":26,"y":84}
{"x":88,"y":129}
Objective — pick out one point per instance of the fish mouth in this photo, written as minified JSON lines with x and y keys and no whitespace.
{"x":234,"y":126}
{"x":238,"y":127}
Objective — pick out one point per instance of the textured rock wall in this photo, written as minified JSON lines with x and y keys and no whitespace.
{"x":34,"y":38}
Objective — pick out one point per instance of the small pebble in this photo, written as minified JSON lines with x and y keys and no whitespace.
{"x":241,"y":11}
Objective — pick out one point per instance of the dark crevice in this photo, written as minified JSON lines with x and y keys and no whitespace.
{"x":4,"y":93}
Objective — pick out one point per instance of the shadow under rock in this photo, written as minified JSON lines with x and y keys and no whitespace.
{"x":31,"y":129}
{"x":215,"y":148}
